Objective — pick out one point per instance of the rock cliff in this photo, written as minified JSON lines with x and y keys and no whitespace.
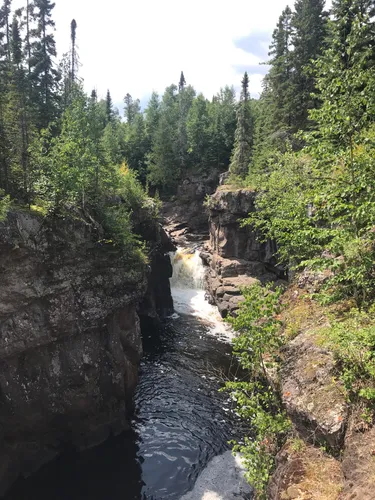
{"x":234,"y":255}
{"x":69,"y":334}
{"x":185,"y":215}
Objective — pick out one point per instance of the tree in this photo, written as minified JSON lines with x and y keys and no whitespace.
{"x":198,"y":132}
{"x":44,"y":75}
{"x":19,"y":122}
{"x":185,"y":99}
{"x":309,"y":23}
{"x":182,"y":82}
{"x":109,"y":107}
{"x":152,"y":113}
{"x":163,"y":169}
{"x":280,"y":74}
{"x":243,"y":143}
{"x":222,"y":111}
{"x":132,"y":108}
{"x":74,"y":58}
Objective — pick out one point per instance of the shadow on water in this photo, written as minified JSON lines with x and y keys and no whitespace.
{"x":180,"y":422}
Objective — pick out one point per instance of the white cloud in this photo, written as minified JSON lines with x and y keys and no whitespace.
{"x":137,"y":46}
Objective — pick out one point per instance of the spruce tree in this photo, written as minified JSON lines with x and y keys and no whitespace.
{"x":132,"y":108}
{"x":74,"y":59}
{"x":280,"y":74}
{"x":182,"y":82}
{"x":243,"y":143}
{"x":309,"y":24}
{"x":44,"y":75}
{"x":109,"y":107}
{"x":19,"y":122}
{"x":5,"y":146}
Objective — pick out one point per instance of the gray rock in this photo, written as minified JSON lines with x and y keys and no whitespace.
{"x":70,"y":338}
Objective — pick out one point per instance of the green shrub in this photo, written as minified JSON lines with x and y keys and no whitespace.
{"x":4,"y":205}
{"x":257,"y":402}
{"x":352,"y":340}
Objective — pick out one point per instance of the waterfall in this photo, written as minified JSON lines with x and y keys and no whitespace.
{"x":187,"y":285}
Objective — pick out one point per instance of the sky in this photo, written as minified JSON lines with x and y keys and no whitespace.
{"x":138,"y":46}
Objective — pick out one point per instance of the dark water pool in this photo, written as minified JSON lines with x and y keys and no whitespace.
{"x":180,"y":422}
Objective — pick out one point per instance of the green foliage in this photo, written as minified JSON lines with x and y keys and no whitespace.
{"x":4,"y":205}
{"x":257,"y":402}
{"x":243,"y":141}
{"x":319,"y":205}
{"x":352,"y":341}
{"x":117,"y":224}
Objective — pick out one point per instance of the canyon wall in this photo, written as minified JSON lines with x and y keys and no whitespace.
{"x":70,"y":339}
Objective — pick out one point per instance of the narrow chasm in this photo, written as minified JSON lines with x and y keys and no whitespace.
{"x":180,"y":420}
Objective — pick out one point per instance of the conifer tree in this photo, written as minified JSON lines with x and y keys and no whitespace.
{"x":19,"y":122}
{"x":152,"y":116}
{"x":243,"y":143}
{"x":280,"y":74}
{"x":44,"y":75}
{"x":132,"y":108}
{"x":109,"y":107}
{"x":29,"y":17}
{"x":223,"y":126}
{"x":73,"y":39}
{"x":309,"y":24}
{"x":4,"y":84}
{"x":185,"y":98}
{"x":182,"y":82}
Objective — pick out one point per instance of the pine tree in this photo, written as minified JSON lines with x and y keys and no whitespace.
{"x":19,"y":122}
{"x":29,"y":16}
{"x":243,"y":144}
{"x":185,"y":98}
{"x":345,"y":14}
{"x":5,"y":147}
{"x":152,"y":116}
{"x":309,"y":24}
{"x":162,"y":162}
{"x":109,"y":107}
{"x":132,"y":108}
{"x":182,"y":82}
{"x":44,"y":75}
{"x":223,"y":122}
{"x":198,"y":131}
{"x":280,"y":74}
{"x":74,"y":59}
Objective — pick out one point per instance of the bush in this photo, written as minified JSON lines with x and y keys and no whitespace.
{"x":352,"y":340}
{"x":257,"y":402}
{"x":4,"y":205}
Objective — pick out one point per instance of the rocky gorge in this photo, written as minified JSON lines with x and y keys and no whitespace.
{"x":71,"y":309}
{"x":70,"y":338}
{"x":329,"y":455}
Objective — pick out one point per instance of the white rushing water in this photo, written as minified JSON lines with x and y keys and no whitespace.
{"x":187,"y":284}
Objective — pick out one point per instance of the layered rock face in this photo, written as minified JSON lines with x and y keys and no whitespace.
{"x":69,"y":338}
{"x":186,"y":215}
{"x":234,"y":255}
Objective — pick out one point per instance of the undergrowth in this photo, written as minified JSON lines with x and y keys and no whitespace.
{"x":257,"y":401}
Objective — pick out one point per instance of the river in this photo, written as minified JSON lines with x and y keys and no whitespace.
{"x":180,"y":418}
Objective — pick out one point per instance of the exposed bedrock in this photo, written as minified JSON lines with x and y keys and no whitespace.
{"x":235,"y":257}
{"x":70,"y":337}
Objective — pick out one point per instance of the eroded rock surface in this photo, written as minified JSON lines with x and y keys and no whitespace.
{"x":235,"y":257}
{"x":313,"y":398}
{"x":304,"y":472}
{"x":69,"y":338}
{"x":186,"y":214}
